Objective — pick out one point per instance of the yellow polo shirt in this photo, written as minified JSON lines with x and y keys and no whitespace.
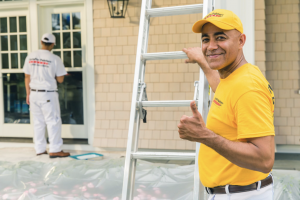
{"x":243,"y":107}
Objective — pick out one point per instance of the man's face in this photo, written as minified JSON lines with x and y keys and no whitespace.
{"x":220,"y":47}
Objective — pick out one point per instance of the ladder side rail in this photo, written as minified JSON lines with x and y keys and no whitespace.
{"x":203,"y":98}
{"x":130,"y":164}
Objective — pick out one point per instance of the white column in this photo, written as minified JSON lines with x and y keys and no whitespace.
{"x":33,"y":19}
{"x":90,"y":72}
{"x":245,"y":10}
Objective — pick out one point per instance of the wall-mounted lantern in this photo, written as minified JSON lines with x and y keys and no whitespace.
{"x":117,"y":8}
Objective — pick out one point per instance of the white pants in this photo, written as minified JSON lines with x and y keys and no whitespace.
{"x":44,"y":107}
{"x":265,"y":193}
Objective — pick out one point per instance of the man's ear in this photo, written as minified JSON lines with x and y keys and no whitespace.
{"x":242,"y":40}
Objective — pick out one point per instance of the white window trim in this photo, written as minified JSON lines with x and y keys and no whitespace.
{"x":33,"y":33}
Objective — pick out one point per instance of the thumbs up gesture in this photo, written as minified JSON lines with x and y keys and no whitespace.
{"x":192,"y":128}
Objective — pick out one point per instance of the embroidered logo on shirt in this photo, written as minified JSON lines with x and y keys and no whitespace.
{"x":218,"y":102}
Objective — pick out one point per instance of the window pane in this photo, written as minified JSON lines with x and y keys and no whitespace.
{"x":4,"y":43}
{"x":22,"y":24}
{"x":67,"y":59}
{"x":13,"y":24}
{"x":77,"y":59}
{"x":71,"y":99}
{"x":66,"y":21}
{"x":13,"y":42}
{"x":55,"y":22}
{"x":58,"y":53}
{"x":23,"y":57}
{"x":57,"y":37}
{"x":23,"y":42}
{"x":4,"y":58}
{"x":76,"y":39}
{"x":76,"y":20}
{"x":67,"y":40}
{"x":3,"y":25}
{"x":14,"y":60}
{"x":14,"y":95}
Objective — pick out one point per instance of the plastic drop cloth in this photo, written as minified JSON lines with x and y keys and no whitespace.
{"x":286,"y":184}
{"x":91,"y":180}
{"x":79,"y":180}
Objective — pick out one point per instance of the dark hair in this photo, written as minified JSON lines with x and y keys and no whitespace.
{"x":47,"y":44}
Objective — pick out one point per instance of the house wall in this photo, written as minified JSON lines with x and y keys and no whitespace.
{"x":283,"y":67}
{"x":115,"y":49}
{"x":260,"y":35}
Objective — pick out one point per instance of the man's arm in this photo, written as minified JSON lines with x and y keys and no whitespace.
{"x":27,"y":81}
{"x":195,"y":55}
{"x":60,"y":79}
{"x":255,"y":154}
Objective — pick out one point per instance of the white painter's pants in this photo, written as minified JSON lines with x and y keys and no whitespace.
{"x":45,"y":109}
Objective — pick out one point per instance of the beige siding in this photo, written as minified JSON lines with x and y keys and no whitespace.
{"x":282,"y":55}
{"x":260,"y":35}
{"x":115,"y":48}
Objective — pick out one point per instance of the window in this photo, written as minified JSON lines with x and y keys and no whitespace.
{"x":67,"y":29}
{"x":16,"y":109}
{"x":71,"y":99}
{"x":13,"y":39}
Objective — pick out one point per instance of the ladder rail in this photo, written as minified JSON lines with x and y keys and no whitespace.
{"x":164,"y":155}
{"x":164,"y":56}
{"x":176,"y":10}
{"x":203,"y":91}
{"x":130,"y":164}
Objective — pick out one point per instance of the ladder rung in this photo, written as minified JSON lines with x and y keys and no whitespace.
{"x":164,"y":55}
{"x":176,"y":10}
{"x":164,"y":156}
{"x":182,"y":103}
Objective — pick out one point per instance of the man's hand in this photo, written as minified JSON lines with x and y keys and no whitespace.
{"x":193,"y":128}
{"x":255,"y":154}
{"x":27,"y":99}
{"x":195,"y":55}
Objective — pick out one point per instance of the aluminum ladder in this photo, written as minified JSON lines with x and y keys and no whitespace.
{"x":140,"y":101}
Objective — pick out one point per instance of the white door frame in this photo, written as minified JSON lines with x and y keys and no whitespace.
{"x":32,"y":9}
{"x":11,"y":129}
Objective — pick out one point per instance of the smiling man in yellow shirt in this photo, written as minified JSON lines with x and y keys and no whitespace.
{"x":237,"y":150}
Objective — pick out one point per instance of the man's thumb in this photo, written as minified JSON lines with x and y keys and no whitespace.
{"x":194,"y":109}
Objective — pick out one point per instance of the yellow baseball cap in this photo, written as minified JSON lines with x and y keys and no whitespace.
{"x":224,"y":19}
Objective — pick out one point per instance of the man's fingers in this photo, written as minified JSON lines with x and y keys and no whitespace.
{"x":184,"y":50}
{"x":194,"y":109}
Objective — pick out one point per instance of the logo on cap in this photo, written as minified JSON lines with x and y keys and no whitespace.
{"x":214,"y":15}
{"x":46,"y":39}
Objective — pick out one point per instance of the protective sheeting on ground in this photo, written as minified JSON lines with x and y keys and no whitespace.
{"x":91,"y":180}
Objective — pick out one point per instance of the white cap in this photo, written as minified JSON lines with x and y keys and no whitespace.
{"x":48,"y":38}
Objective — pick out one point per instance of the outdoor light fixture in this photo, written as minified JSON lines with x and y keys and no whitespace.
{"x":117,"y":8}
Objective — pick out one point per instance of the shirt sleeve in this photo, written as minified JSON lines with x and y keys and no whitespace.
{"x":60,"y":70}
{"x":26,"y":69}
{"x":254,"y":115}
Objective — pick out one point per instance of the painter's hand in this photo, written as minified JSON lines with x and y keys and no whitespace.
{"x":192,"y":128}
{"x":27,"y":99}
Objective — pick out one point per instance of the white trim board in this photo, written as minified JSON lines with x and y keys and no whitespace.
{"x":287,"y":148}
